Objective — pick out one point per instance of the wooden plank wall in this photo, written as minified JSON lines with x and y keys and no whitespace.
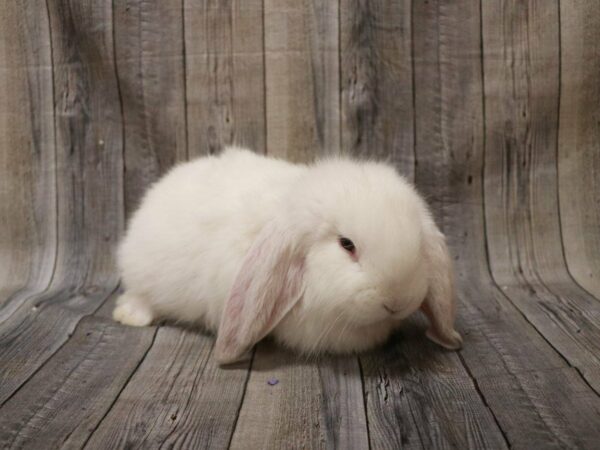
{"x":492,"y":108}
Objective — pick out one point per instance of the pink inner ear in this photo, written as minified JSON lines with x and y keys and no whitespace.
{"x":266,"y":288}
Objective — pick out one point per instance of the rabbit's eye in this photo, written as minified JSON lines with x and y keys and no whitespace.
{"x":347,"y":244}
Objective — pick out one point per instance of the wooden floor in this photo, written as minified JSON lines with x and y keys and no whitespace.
{"x":491,"y":108}
{"x":524,"y":380}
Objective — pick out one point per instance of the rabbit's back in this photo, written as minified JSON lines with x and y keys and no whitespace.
{"x":186,"y":242}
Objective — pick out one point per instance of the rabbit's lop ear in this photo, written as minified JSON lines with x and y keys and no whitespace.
{"x":267,"y":286}
{"x":439,"y":305}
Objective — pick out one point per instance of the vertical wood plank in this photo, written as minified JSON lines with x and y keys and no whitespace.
{"x":508,"y":375}
{"x":302,"y":78}
{"x":521,"y":53}
{"x":579,"y":141}
{"x":499,"y":343}
{"x":224,"y":75}
{"x":27,"y":155}
{"x":225,"y":104}
{"x":150,"y":66}
{"x":155,"y":133}
{"x":303,"y":122}
{"x":377,"y":81}
{"x":315,"y":403}
{"x":89,"y":188}
{"x":89,"y":142}
{"x":404,"y":388}
{"x":448,"y":104}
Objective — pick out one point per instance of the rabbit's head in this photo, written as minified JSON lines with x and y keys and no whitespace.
{"x":353,"y":251}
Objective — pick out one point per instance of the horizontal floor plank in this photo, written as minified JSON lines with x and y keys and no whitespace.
{"x":68,"y":396}
{"x":38,"y":329}
{"x":177,"y":398}
{"x":421,"y":396}
{"x":545,"y":409}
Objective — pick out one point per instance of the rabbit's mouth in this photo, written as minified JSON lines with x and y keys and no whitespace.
{"x":391,"y":310}
{"x":397,"y":312}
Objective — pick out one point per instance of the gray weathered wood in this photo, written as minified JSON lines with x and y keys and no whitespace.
{"x":523,"y":231}
{"x":579,"y":140}
{"x":67,"y":398}
{"x":89,"y":137}
{"x":27,"y":155}
{"x":225,"y":81}
{"x":89,"y":188}
{"x":490,"y":106}
{"x":177,"y":398}
{"x":420,"y":397}
{"x":376,"y":81}
{"x":302,"y":78}
{"x":407,"y":404}
{"x":150,"y":65}
{"x":33,"y":336}
{"x":301,"y":51}
{"x":499,"y":341}
{"x":315,"y":403}
{"x":545,"y":409}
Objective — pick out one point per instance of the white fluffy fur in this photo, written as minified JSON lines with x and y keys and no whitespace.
{"x":186,"y":244}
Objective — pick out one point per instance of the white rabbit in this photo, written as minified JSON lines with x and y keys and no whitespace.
{"x":325,"y":257}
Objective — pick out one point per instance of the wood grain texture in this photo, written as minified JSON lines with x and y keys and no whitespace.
{"x":177,"y":398}
{"x":89,"y":190}
{"x":579,"y":141}
{"x":524,"y":239}
{"x":27,"y":155}
{"x":492,"y":109}
{"x":499,"y":341}
{"x":65,"y":400}
{"x":302,"y":78}
{"x":548,"y":409}
{"x":420,"y":397}
{"x":411,"y":402}
{"x":150,"y":65}
{"x":315,"y":404}
{"x":33,"y":336}
{"x":225,"y":81}
{"x":376,"y":81}
{"x":89,"y":142}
